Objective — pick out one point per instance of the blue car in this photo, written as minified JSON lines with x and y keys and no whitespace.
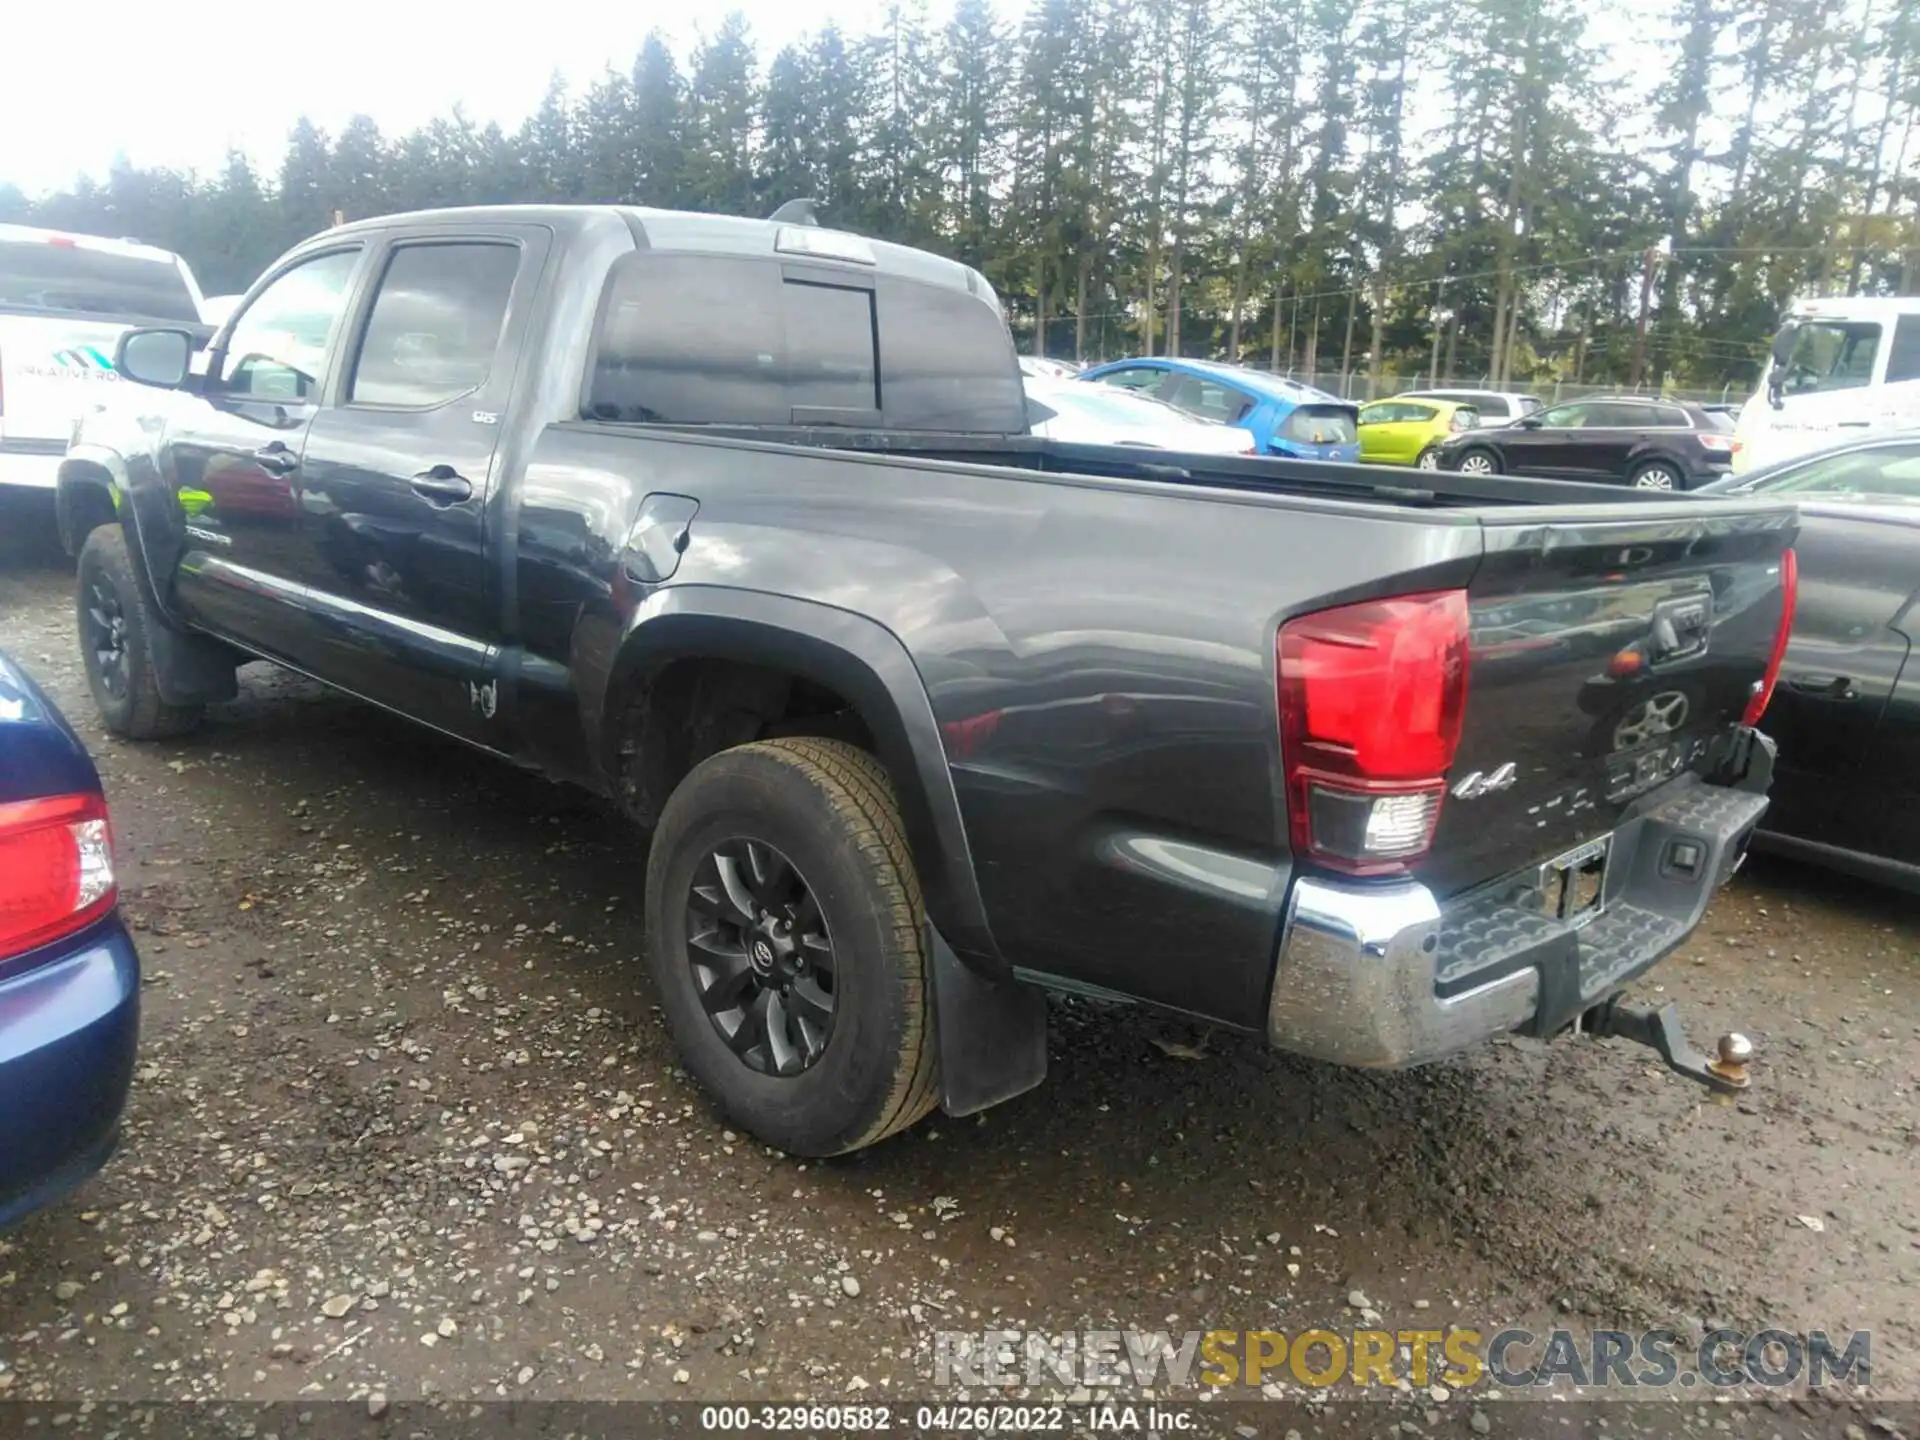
{"x":69,"y":977}
{"x":1285,"y":417}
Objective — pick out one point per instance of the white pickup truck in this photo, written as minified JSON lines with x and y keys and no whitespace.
{"x":1842,"y":368}
{"x":65,"y":300}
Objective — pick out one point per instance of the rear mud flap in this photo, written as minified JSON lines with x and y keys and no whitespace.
{"x":993,"y":1035}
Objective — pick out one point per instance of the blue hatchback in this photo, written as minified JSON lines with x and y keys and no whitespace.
{"x":69,"y":978}
{"x":1285,"y":417}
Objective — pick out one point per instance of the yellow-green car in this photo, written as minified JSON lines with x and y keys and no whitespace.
{"x":1408,"y":432}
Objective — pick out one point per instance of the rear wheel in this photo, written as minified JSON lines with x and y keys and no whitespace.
{"x":115,"y":643}
{"x":1429,"y":458}
{"x":1657,"y":476}
{"x":784,"y":931}
{"x":1479,"y":462}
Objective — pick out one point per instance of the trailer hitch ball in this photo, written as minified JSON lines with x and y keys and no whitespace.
{"x":1730,"y":1058}
{"x":1660,"y":1030}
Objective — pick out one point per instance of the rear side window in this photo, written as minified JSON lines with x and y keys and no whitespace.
{"x":1210,"y":400}
{"x":435,"y":324}
{"x":61,"y":277}
{"x":1319,"y":425}
{"x":1903,"y":361}
{"x":712,"y":340}
{"x":1622,"y":415}
{"x":1137,"y":377}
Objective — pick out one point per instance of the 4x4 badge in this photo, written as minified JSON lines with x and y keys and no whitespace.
{"x":1472,"y":787}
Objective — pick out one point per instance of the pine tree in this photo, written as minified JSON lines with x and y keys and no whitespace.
{"x":659,"y":124}
{"x":718,"y":165}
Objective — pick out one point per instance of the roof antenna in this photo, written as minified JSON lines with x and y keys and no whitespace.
{"x":796,"y":212}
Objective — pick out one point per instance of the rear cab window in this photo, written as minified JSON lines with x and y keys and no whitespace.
{"x":699,"y":339}
{"x":69,"y":276}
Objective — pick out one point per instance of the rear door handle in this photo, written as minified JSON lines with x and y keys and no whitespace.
{"x":276,"y":459}
{"x":443,"y":485}
{"x":1823,"y":687}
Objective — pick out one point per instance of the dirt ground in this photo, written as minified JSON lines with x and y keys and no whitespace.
{"x":407,"y":1122}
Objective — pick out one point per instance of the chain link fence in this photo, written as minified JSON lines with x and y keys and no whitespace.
{"x":1355,"y":385}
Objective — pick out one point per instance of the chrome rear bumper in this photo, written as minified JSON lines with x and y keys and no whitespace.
{"x":1385,"y":976}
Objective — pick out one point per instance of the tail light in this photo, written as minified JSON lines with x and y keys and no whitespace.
{"x":1711,"y":440}
{"x":1463,"y":419}
{"x":1371,"y":700}
{"x":56,"y":869}
{"x":1789,"y":597}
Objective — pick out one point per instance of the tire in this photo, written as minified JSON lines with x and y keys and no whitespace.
{"x":1479,"y":462}
{"x":826,"y":811}
{"x":115,"y":631}
{"x":1429,"y":459}
{"x":1657,"y":476}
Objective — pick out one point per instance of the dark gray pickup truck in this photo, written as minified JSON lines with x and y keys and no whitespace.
{"x":738,"y":523}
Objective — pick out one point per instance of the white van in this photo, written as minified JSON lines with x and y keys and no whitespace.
{"x":64,"y":301}
{"x":1840,"y":368}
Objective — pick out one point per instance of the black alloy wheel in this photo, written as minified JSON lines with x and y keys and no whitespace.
{"x":103,"y":628}
{"x":761,"y":956}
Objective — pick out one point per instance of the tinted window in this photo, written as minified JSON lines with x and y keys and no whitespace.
{"x":1668,"y":417}
{"x":1903,"y":361}
{"x":70,"y":278}
{"x":830,"y":350}
{"x":1137,"y":377}
{"x":707,"y":340}
{"x":946,"y":362}
{"x":1622,"y":415}
{"x":435,"y":324}
{"x":1209,"y":399}
{"x":1566,"y":417}
{"x":1319,"y":425}
{"x":277,"y":349}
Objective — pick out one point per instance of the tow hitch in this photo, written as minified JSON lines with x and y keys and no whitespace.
{"x":1726,"y":1072}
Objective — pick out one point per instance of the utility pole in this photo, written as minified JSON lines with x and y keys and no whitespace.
{"x":1439,"y":324}
{"x":1651,"y":263}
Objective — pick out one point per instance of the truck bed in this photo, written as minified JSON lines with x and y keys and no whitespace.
{"x":1260,"y":474}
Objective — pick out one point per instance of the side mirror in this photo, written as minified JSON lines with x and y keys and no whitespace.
{"x":1529,"y":422}
{"x":1783,"y":342}
{"x":155,"y":357}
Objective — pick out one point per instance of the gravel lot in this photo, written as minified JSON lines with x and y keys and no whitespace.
{"x":407,"y":1122}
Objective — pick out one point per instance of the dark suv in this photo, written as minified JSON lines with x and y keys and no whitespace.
{"x":1653,"y":444}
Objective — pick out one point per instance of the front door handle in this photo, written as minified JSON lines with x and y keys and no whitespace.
{"x":443,"y":485}
{"x":1823,"y":687}
{"x":276,"y":459}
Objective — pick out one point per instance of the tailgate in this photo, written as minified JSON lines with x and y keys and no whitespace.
{"x":1607,"y":655}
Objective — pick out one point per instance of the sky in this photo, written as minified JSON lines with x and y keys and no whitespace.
{"x":176,"y":85}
